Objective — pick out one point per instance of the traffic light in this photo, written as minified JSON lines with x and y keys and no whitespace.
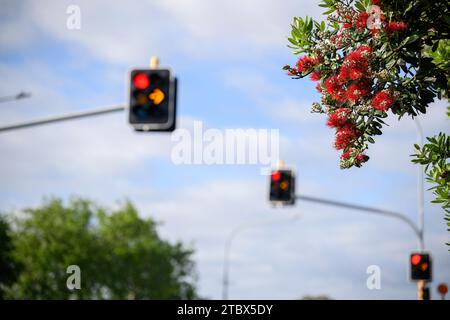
{"x":420,"y":264}
{"x":282,"y":187}
{"x":152,"y":99}
{"x":426,"y":293}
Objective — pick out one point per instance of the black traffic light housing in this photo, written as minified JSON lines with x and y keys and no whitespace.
{"x":426,"y":293}
{"x":420,"y":266}
{"x":282,"y":187}
{"x":152,"y":99}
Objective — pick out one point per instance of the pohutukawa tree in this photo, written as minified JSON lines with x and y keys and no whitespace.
{"x":368,"y":61}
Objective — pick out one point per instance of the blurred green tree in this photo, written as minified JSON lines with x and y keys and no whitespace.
{"x":7,"y":267}
{"x":119,"y":254}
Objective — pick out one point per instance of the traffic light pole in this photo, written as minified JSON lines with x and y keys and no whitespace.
{"x":20,"y":95}
{"x":420,"y":204}
{"x":71,"y":116}
{"x":420,"y":185}
{"x":367,"y":209}
{"x":418,"y":231}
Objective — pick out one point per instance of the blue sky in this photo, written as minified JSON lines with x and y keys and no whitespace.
{"x":228,"y":57}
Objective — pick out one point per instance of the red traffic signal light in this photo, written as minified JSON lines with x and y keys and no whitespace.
{"x":141,"y":81}
{"x":415,"y":259}
{"x":420,"y":265}
{"x":276,"y":176}
{"x":282,"y":187}
{"x":152,"y":99}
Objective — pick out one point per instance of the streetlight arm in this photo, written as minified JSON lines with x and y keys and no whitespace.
{"x":65,"y":117}
{"x":367,"y":209}
{"x":20,"y":95}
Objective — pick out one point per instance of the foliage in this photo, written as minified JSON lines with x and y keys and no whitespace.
{"x":440,"y":55}
{"x":120,"y":255}
{"x":435,"y":154}
{"x":435,"y":157}
{"x":371,"y":57}
{"x":7,"y":266}
{"x":146,"y":266}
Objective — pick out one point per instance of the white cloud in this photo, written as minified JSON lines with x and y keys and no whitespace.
{"x":128,"y":33}
{"x":37,"y":80}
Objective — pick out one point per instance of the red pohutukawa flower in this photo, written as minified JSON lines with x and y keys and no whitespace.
{"x":306,"y":63}
{"x":395,"y":26}
{"x":374,"y":32}
{"x":361,"y":22}
{"x":356,"y":68}
{"x":382,"y":100}
{"x":356,"y":64}
{"x":356,"y":90}
{"x":338,"y":118}
{"x":345,"y":136}
{"x":315,"y":76}
{"x":365,"y":51}
{"x":345,"y":155}
{"x":332,"y":85}
{"x":361,"y":158}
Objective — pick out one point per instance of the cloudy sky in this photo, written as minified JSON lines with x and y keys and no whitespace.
{"x":227,"y":56}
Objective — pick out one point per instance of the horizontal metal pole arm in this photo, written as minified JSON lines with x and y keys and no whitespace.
{"x":71,"y":116}
{"x":20,"y":95}
{"x":363,"y":208}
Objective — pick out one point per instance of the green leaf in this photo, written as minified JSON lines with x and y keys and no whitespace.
{"x":295,"y":43}
{"x":360,"y":6}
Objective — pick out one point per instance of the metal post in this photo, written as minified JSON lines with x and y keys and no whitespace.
{"x":420,"y":204}
{"x":420,"y":187}
{"x":154,"y":62}
{"x":76,"y":115}
{"x":364,"y":208}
